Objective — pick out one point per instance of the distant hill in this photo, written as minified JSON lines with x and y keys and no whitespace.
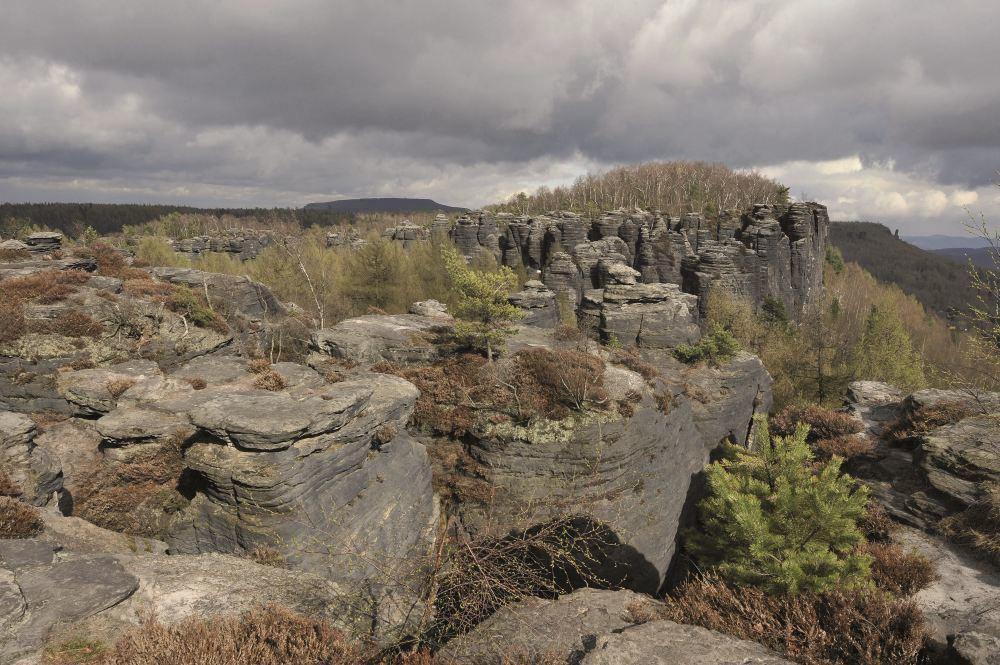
{"x":979,"y":255}
{"x":936,"y":242}
{"x":939,"y":282}
{"x":389,"y":205}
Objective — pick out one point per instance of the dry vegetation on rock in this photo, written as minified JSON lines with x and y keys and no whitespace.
{"x":18,"y":519}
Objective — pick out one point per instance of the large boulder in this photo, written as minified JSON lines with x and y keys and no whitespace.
{"x":669,"y":643}
{"x":595,"y":626}
{"x":33,"y":471}
{"x":229,"y":292}
{"x":375,"y":338}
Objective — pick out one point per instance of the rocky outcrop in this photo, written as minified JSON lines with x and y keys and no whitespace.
{"x":50,"y":593}
{"x":407,"y":233}
{"x":44,"y":242}
{"x":635,"y":473}
{"x":29,"y":467}
{"x":771,"y":251}
{"x":538,"y":304}
{"x":593,"y":626}
{"x":932,"y":473}
{"x":652,"y":316}
{"x":375,"y":338}
{"x":228,"y":292}
{"x":669,"y":643}
{"x":244,"y":244}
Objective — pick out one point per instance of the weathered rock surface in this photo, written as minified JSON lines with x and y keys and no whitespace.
{"x":31,"y":468}
{"x":964,"y":597}
{"x":940,"y":471}
{"x":538,"y":304}
{"x":633,"y":473}
{"x":228,"y":292}
{"x":594,"y":626}
{"x":669,"y":643}
{"x":973,"y":649}
{"x":244,"y":244}
{"x":374,"y":338}
{"x":566,"y":627}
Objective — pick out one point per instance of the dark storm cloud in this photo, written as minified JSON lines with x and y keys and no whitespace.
{"x":291,"y":100}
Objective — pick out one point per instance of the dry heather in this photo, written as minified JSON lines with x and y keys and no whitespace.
{"x":14,"y":255}
{"x":130,"y":496}
{"x":831,"y":433}
{"x":7,"y":486}
{"x":18,"y":519}
{"x":72,"y":323}
{"x":864,"y":627}
{"x":270,"y":380}
{"x":924,"y":419}
{"x":460,"y":393}
{"x":978,"y":526}
{"x":45,"y":287}
{"x":269,"y":635}
{"x":117,"y":387}
{"x":897,"y":571}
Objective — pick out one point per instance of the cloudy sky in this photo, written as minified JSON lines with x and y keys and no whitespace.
{"x":883,"y":109}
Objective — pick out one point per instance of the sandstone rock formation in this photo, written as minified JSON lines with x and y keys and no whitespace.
{"x":632,"y":472}
{"x":771,"y":251}
{"x":592,"y":626}
{"x":374,"y":338}
{"x":244,"y":244}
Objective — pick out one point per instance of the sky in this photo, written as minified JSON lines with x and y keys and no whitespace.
{"x":884,"y":110}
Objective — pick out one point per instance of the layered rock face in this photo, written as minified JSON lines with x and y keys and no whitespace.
{"x":634,"y":472}
{"x":772,"y":251}
{"x":244,"y":244}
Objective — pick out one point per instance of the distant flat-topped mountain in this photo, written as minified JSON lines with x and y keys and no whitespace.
{"x":383,"y":205}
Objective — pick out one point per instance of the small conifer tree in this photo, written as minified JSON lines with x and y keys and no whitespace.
{"x":483,"y":309}
{"x":774,"y":520}
{"x":885,"y":352}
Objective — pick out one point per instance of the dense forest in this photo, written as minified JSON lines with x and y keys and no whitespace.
{"x":938,"y":282}
{"x":107,"y":218}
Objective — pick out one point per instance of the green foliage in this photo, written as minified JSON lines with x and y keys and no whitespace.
{"x":885,"y":352}
{"x":835,"y":258}
{"x":156,"y":251}
{"x":483,"y":308}
{"x":715,"y":347}
{"x":775,"y":520}
{"x":193,"y":307}
{"x":773,"y":311}
{"x":374,"y":273}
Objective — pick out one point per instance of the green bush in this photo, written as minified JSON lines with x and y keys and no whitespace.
{"x":716,"y":347}
{"x":775,"y":520}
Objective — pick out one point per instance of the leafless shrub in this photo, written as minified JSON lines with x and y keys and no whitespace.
{"x":569,"y":379}
{"x":568,"y":333}
{"x":664,"y":401}
{"x":639,"y":612}
{"x":18,"y":519}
